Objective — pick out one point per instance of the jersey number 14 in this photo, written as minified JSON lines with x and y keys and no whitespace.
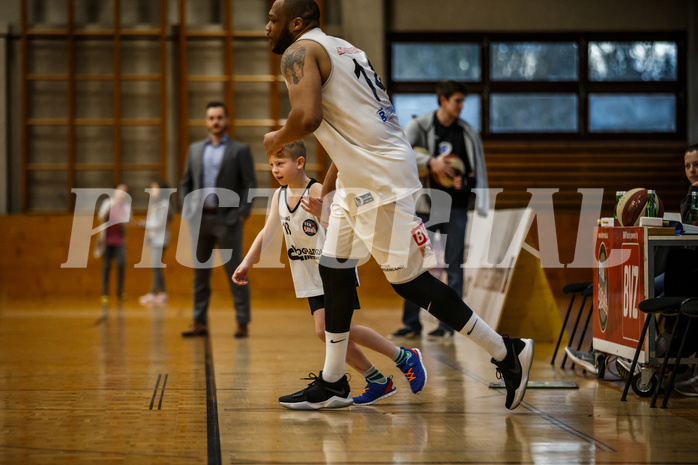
{"x":359,"y":70}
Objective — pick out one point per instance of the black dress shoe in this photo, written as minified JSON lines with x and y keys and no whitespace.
{"x":406,"y":333}
{"x":439,"y":333}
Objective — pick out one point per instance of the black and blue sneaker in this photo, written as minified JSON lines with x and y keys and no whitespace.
{"x":413,"y":369}
{"x":319,"y":394}
{"x":373,"y":392}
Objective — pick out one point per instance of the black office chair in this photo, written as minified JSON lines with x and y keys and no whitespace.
{"x":667,"y":306}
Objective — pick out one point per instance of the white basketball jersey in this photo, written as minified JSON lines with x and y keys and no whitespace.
{"x":360,"y":131}
{"x":304,"y":238}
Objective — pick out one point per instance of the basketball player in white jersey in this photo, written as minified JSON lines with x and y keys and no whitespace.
{"x":336,"y":95}
{"x":304,"y":237}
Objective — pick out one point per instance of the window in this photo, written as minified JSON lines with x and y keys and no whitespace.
{"x":632,"y":112}
{"x":436,"y":62}
{"x":407,"y":106}
{"x":533,"y":61}
{"x":632,"y":61}
{"x":593,"y":86}
{"x":516,"y":113}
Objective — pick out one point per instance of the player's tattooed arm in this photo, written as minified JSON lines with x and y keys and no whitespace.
{"x":292,"y":64}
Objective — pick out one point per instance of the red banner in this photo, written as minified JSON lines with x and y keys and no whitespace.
{"x":619,"y":286}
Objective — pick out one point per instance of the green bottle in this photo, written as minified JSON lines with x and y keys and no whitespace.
{"x":651,"y":208}
{"x":694,"y":208}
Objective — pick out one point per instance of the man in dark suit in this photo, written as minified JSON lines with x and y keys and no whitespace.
{"x":221,"y":163}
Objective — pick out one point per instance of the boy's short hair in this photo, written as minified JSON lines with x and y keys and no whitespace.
{"x":448,"y":88}
{"x":692,"y":148}
{"x":295,"y":149}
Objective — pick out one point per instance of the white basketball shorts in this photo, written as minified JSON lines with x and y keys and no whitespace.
{"x":391,"y":233}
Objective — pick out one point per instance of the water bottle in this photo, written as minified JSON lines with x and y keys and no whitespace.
{"x":619,"y":194}
{"x":694,"y":208}
{"x":651,"y":207}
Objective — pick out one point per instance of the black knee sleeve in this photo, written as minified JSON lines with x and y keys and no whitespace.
{"x":339,"y":284}
{"x":437,"y":298}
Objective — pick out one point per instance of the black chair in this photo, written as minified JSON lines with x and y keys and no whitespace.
{"x":588,"y":292}
{"x":688,"y":309}
{"x":667,"y":306}
{"x":583,"y":289}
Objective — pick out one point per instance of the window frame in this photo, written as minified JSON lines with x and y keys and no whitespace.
{"x":581,"y":87}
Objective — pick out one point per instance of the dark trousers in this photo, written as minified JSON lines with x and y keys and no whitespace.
{"x":158,"y":275}
{"x":214,"y":232}
{"x":681,"y":280}
{"x":454,"y":251}
{"x":118,"y":254}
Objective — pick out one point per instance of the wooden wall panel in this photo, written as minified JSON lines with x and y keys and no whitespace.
{"x":30,"y":264}
{"x":569,"y":166}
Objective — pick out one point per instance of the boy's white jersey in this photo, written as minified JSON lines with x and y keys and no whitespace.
{"x":360,"y":131}
{"x":304,"y":238}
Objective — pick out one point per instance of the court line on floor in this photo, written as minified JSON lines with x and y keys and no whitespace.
{"x":212,"y":428}
{"x":155,"y":392}
{"x":162,"y":393}
{"x":551,"y":419}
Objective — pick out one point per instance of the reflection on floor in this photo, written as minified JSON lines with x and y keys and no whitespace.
{"x":79,"y":383}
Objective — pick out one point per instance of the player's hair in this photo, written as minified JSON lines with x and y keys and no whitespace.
{"x":307,"y":10}
{"x":448,"y":88}
{"x":692,"y":148}
{"x":217,"y":105}
{"x":295,"y":150}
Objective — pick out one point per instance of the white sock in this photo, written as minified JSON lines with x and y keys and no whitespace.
{"x":480,"y":332}
{"x":335,"y":355}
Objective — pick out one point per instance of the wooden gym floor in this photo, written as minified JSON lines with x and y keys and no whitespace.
{"x":84,"y":384}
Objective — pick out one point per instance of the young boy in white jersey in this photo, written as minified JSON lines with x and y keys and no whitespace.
{"x":304,"y":237}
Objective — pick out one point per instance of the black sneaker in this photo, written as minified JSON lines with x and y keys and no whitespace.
{"x":406,"y":333}
{"x":514,"y":369}
{"x":320,"y":394}
{"x":439,"y":333}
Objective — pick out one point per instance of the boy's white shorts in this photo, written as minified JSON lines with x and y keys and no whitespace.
{"x":391,"y":233}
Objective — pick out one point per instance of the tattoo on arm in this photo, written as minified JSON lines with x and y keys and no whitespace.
{"x":292,"y":65}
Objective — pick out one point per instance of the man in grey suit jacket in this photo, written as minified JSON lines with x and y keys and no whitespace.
{"x":226,"y":165}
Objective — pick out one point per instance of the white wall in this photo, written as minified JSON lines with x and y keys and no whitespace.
{"x":363,"y":24}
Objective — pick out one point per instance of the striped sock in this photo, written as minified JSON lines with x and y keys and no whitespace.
{"x":372,"y":375}
{"x":401,"y":354}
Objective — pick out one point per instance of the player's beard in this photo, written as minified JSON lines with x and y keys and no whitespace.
{"x":284,"y":42}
